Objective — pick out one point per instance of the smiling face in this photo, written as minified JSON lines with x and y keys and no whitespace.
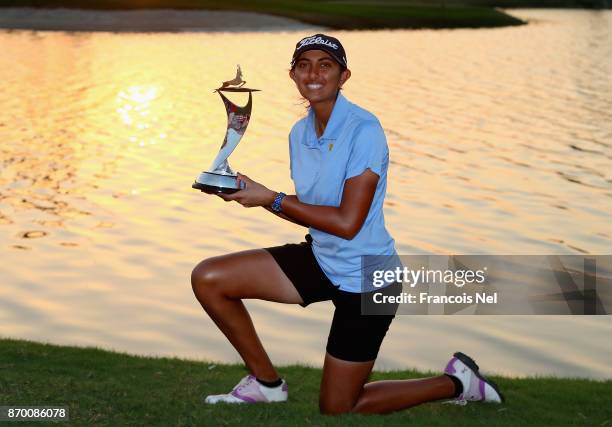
{"x":318,"y":76}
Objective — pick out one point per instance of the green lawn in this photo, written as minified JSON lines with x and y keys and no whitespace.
{"x":345,"y":14}
{"x":107,"y":388}
{"x":338,"y":14}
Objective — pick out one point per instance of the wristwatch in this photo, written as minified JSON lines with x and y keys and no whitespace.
{"x":276,"y":204}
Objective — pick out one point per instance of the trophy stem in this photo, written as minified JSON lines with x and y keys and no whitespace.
{"x":220,"y":178}
{"x":224,"y":169}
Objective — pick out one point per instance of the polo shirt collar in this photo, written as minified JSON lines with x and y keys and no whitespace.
{"x":334,"y":125}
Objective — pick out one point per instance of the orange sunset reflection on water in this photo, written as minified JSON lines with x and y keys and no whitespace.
{"x":500,"y":140}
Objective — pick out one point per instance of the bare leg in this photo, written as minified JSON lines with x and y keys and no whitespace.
{"x":380,"y":397}
{"x":221,"y":283}
{"x":344,"y":389}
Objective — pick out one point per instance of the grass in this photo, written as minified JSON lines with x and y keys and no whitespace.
{"x":345,"y":14}
{"x":337,"y":14}
{"x":106,"y":388}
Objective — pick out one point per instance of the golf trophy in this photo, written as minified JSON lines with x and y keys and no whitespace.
{"x":220,"y":178}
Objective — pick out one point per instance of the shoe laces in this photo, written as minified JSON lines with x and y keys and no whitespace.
{"x":244,"y":384}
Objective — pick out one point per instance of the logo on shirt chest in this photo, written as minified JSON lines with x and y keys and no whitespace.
{"x":331,"y":146}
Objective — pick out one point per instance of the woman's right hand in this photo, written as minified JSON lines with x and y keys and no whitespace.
{"x":254,"y":194}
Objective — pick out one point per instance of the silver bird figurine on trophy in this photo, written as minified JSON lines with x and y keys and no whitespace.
{"x":220,"y":178}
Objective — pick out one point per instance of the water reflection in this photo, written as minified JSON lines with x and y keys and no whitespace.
{"x":500,"y":140}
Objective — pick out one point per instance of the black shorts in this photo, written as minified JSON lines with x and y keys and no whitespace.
{"x":353,"y":337}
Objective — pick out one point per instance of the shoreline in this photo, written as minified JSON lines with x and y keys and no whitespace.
{"x":88,"y":18}
{"x":148,"y":20}
{"x":12,"y":340}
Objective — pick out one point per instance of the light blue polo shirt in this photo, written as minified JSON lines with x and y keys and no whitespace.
{"x":353,"y":141}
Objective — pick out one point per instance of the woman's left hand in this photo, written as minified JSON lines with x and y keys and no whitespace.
{"x":253,"y":195}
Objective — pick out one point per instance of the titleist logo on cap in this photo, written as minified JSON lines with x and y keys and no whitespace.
{"x":315,"y":40}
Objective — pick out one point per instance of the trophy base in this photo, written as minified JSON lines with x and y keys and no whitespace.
{"x":212,"y":189}
{"x":214,"y":183}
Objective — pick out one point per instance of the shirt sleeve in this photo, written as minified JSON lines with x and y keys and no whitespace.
{"x":290,"y":157}
{"x":369,"y":150}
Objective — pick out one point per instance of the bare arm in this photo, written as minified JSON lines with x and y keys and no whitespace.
{"x":283,"y":216}
{"x":343,"y":221}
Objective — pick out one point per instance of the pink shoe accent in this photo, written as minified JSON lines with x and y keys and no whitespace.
{"x":481,"y":389}
{"x":450,"y":367}
{"x":248,"y":390}
{"x":475,"y":386}
{"x":241,"y":397}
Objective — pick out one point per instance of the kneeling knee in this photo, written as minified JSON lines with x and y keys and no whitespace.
{"x":205,"y":277}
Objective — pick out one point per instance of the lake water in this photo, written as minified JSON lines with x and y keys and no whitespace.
{"x":500,"y":139}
